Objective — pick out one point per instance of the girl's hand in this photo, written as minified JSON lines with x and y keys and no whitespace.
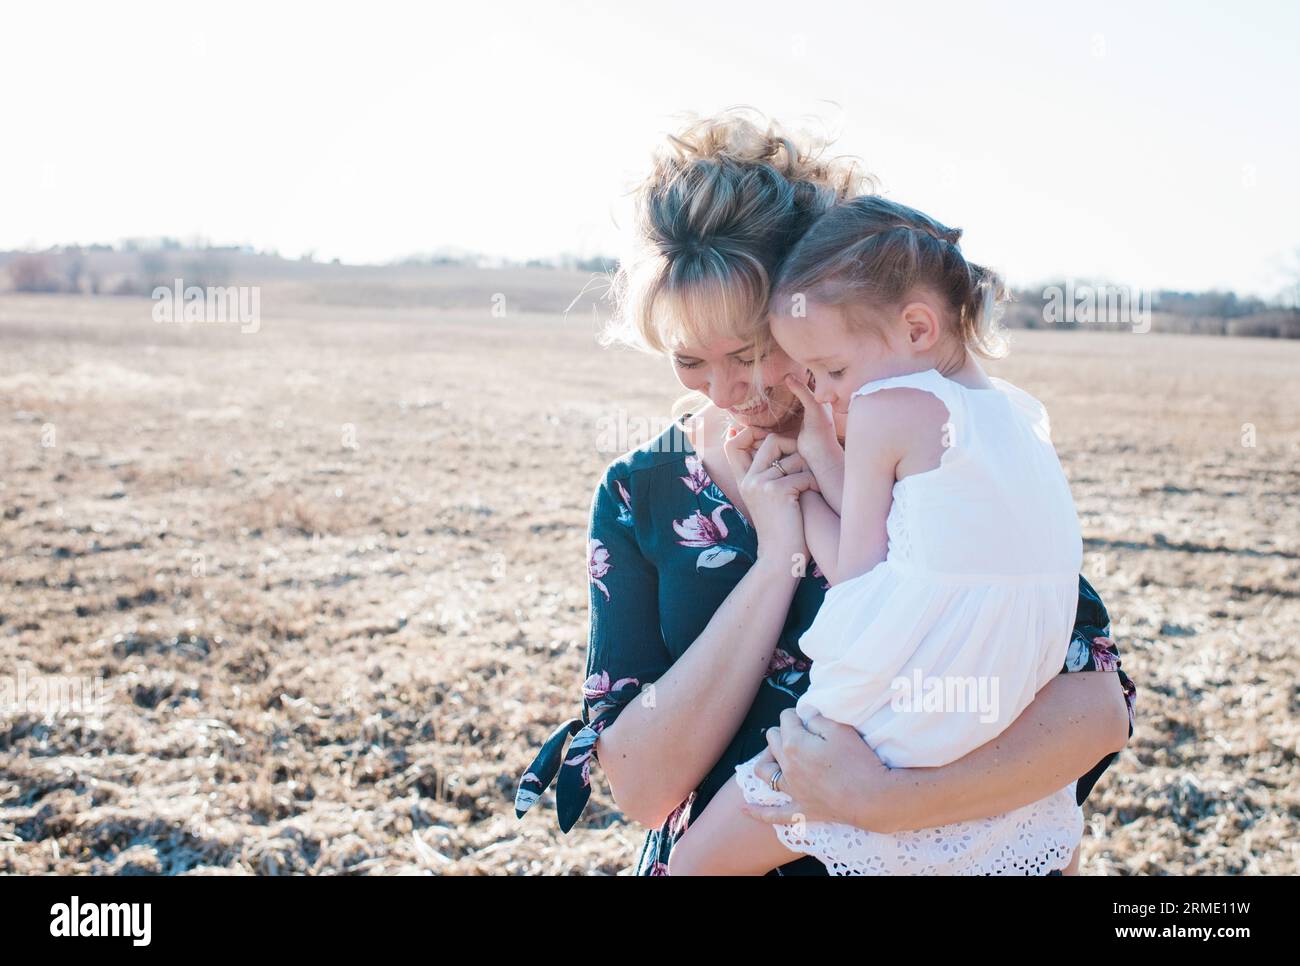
{"x":819,"y":437}
{"x":829,"y":772}
{"x":771,"y":496}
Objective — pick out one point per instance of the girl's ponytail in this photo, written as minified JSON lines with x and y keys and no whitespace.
{"x":981,"y":314}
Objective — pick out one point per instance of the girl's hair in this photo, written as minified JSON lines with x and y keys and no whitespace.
{"x":873,"y":251}
{"x":726,"y":198}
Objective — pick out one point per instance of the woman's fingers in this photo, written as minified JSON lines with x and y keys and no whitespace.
{"x":774,"y":757}
{"x":788,"y":486}
{"x":794,"y":483}
{"x":772,"y":448}
{"x":790,"y":723}
{"x":791,"y":465}
{"x":792,"y":727}
{"x":818,"y":724}
{"x":765,"y":763}
{"x":739,"y":451}
{"x":774,"y":747}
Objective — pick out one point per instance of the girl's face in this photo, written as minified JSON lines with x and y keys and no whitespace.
{"x":726,"y":371}
{"x":840,"y":358}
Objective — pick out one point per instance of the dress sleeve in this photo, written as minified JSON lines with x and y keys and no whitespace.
{"x":1091,"y":649}
{"x":625,"y":653}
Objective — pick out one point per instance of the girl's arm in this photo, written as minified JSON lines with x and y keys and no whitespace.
{"x":891,"y":433}
{"x":821,"y":527}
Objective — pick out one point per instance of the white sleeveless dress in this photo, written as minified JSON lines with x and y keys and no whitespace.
{"x":943,"y":644}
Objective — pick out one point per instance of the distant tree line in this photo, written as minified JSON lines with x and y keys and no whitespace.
{"x":138,"y":266}
{"x":1200,"y":313}
{"x":76,"y":271}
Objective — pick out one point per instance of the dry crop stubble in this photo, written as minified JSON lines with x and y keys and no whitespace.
{"x":332,"y":577}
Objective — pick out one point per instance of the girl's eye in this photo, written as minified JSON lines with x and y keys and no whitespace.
{"x":688,"y":365}
{"x":836,"y":374}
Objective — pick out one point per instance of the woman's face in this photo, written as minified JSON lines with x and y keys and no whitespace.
{"x":726,"y":372}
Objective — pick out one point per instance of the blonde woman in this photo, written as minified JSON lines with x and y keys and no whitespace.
{"x":698,"y":598}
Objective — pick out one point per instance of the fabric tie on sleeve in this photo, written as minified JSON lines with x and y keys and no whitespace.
{"x":573,"y":788}
{"x":574,"y":767}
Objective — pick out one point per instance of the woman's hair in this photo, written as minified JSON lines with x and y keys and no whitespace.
{"x":725,"y":200}
{"x":871,"y":251}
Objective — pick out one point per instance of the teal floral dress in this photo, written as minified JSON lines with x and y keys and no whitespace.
{"x":665,"y":549}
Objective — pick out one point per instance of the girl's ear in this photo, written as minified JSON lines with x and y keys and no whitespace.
{"x":923,"y":327}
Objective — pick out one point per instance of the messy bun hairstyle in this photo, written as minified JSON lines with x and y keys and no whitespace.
{"x":874,"y":251}
{"x":725,"y":200}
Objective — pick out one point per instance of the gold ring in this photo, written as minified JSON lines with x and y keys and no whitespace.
{"x":777,"y":463}
{"x":776,"y":777}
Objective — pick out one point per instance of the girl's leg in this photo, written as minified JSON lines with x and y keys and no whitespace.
{"x":726,"y":841}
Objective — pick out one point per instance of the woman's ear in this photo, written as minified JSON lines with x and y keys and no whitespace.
{"x":923,"y":327}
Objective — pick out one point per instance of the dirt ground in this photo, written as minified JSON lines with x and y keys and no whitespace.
{"x":331,"y":578}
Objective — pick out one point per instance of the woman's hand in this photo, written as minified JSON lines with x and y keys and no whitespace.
{"x":771,"y":493}
{"x":829,"y":772}
{"x":1072,"y":723}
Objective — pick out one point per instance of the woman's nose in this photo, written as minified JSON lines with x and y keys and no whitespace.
{"x":730,"y":392}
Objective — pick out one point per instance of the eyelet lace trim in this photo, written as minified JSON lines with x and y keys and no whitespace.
{"x":900,"y":539}
{"x":1033,"y":840}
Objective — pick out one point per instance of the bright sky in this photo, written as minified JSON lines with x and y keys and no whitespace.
{"x":1150,"y":143}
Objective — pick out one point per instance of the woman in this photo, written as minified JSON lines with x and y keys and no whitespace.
{"x":699,"y":586}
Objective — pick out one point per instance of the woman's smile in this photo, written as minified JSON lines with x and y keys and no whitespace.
{"x":753,"y":409}
{"x":766,"y":412}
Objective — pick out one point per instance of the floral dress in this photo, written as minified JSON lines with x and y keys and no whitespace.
{"x":665,"y":549}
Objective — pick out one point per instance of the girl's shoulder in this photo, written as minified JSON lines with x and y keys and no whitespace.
{"x":901,"y":421}
{"x":928,"y":381}
{"x":1027,"y":405}
{"x":932,"y":398}
{"x":917,"y":421}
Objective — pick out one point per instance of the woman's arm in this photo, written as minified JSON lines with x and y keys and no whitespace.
{"x":833,"y":775}
{"x":1073,"y":722}
{"x":661,"y":746}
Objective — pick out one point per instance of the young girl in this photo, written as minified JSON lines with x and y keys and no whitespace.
{"x":947,"y":531}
